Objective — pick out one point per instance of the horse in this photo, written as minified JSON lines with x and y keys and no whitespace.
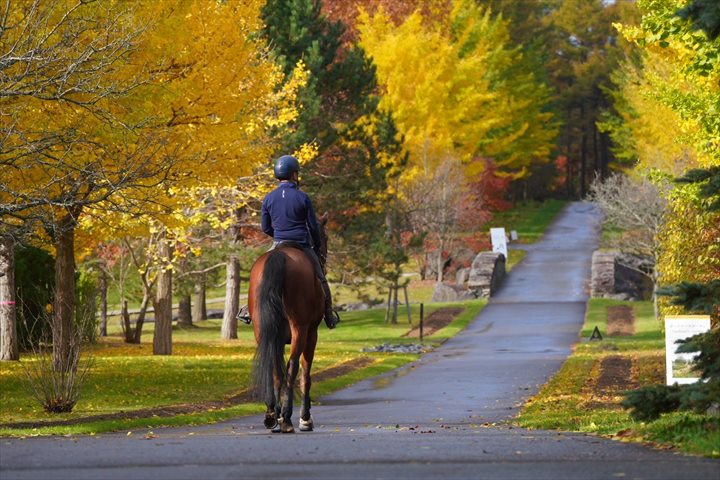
{"x":286,"y":303}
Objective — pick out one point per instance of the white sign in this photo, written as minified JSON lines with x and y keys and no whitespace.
{"x":513,"y":235}
{"x":679,"y":365}
{"x":499,"y":241}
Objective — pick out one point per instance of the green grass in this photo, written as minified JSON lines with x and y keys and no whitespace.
{"x":203,"y":368}
{"x":566,"y":402}
{"x":528,"y":219}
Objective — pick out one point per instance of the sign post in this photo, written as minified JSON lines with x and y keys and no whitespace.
{"x":499,"y":241}
{"x":679,"y":365}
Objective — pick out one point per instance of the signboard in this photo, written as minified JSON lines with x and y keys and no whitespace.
{"x":679,"y":365}
{"x":499,"y":241}
{"x":513,"y":235}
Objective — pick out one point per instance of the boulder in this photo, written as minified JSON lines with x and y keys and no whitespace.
{"x":486,"y":274}
{"x":448,"y":293}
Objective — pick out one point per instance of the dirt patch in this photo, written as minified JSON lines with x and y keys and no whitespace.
{"x":440,"y":318}
{"x":620,"y":321}
{"x":243,"y":396}
{"x":615,"y":376}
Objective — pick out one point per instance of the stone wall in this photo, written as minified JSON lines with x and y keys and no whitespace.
{"x":486,"y":274}
{"x":483,"y":279}
{"x":616,"y":275}
{"x":602,"y":279}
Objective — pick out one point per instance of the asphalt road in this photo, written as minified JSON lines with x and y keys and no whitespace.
{"x":444,"y":416}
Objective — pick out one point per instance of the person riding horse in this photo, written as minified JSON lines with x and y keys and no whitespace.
{"x":287,"y":215}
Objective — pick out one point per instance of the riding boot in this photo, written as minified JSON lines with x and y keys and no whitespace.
{"x":331,"y":316}
{"x":244,"y":315}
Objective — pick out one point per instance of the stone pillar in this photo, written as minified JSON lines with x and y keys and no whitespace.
{"x":486,"y":273}
{"x":602,"y":279}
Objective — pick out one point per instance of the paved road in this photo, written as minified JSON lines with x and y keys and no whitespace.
{"x":428,"y":420}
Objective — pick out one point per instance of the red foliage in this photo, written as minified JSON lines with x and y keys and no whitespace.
{"x":109,"y":253}
{"x":486,"y":195}
{"x":561,"y":168}
{"x":347,"y":12}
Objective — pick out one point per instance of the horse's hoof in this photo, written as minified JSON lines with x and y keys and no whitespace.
{"x":270,"y":422}
{"x":286,"y":427}
{"x":306,"y":425}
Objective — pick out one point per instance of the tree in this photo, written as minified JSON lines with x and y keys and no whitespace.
{"x":635,"y":207}
{"x":434,"y":206}
{"x":453,"y":87}
{"x":8,"y":327}
{"x":69,"y":60}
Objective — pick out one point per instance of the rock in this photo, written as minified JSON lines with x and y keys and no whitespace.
{"x":398,"y":348}
{"x":446,"y":293}
{"x":486,"y":273}
{"x":462,"y":276}
{"x":350,"y":307}
{"x":619,"y":275}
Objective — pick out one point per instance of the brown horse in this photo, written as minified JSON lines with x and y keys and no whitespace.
{"x":286,"y":303}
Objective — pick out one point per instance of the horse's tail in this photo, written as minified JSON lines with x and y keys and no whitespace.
{"x":270,"y":353}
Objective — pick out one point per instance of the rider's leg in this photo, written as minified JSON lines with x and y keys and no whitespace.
{"x":331,"y":317}
{"x":244,"y":313}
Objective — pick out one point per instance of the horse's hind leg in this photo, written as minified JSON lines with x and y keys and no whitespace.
{"x":298,"y":340}
{"x":273,"y":409}
{"x":306,"y":422}
{"x":286,"y":425}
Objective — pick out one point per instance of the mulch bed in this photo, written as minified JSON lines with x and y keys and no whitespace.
{"x":440,"y":318}
{"x":620,"y":321}
{"x":244,"y":396}
{"x":615,"y":377}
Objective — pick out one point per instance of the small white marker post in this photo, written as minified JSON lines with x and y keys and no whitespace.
{"x":499,"y":241}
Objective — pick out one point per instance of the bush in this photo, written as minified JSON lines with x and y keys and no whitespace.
{"x":34,"y":283}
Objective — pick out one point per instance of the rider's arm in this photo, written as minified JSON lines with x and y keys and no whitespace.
{"x":265,"y":220}
{"x":312,"y":224}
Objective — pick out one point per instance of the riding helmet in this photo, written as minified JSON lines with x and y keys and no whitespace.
{"x":285,"y":166}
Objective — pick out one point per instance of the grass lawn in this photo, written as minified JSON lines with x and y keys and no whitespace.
{"x":575,"y":400}
{"x":528,"y":219}
{"x":203,"y":368}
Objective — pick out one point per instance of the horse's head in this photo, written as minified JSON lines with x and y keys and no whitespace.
{"x":322,"y":250}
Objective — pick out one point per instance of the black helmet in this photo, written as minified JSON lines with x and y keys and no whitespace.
{"x":285,"y":166}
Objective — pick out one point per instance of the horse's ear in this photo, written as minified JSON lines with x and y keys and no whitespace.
{"x":324,"y":218}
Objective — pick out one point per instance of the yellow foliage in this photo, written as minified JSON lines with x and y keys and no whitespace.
{"x":451,"y":91}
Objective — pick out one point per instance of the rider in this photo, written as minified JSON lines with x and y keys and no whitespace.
{"x":288,"y":216}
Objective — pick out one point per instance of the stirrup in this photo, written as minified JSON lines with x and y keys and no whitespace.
{"x":244,"y":316}
{"x":331,"y":319}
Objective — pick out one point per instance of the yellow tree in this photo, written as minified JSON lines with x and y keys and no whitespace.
{"x":456,"y":89}
{"x":70,"y":138}
{"x":217,"y":99}
{"x":116,"y":107}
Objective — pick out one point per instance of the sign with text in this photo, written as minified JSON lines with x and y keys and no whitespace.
{"x":499,"y":241}
{"x":679,"y":366}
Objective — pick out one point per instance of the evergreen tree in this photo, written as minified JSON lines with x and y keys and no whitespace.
{"x":341,"y":82}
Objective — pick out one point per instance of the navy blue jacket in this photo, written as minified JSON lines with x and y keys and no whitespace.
{"x":288,"y":214}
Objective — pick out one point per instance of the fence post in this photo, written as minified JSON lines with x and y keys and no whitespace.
{"x":422,"y":315}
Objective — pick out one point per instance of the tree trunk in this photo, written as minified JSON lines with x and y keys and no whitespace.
{"x":137,"y":334}
{"x":184,"y":311}
{"x":198,"y":308}
{"x":125,"y":322}
{"x":162,"y":338}
{"x":393,"y":320}
{"x":64,"y":303}
{"x":103,"y":304}
{"x":8,"y":320}
{"x":232,"y":300}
